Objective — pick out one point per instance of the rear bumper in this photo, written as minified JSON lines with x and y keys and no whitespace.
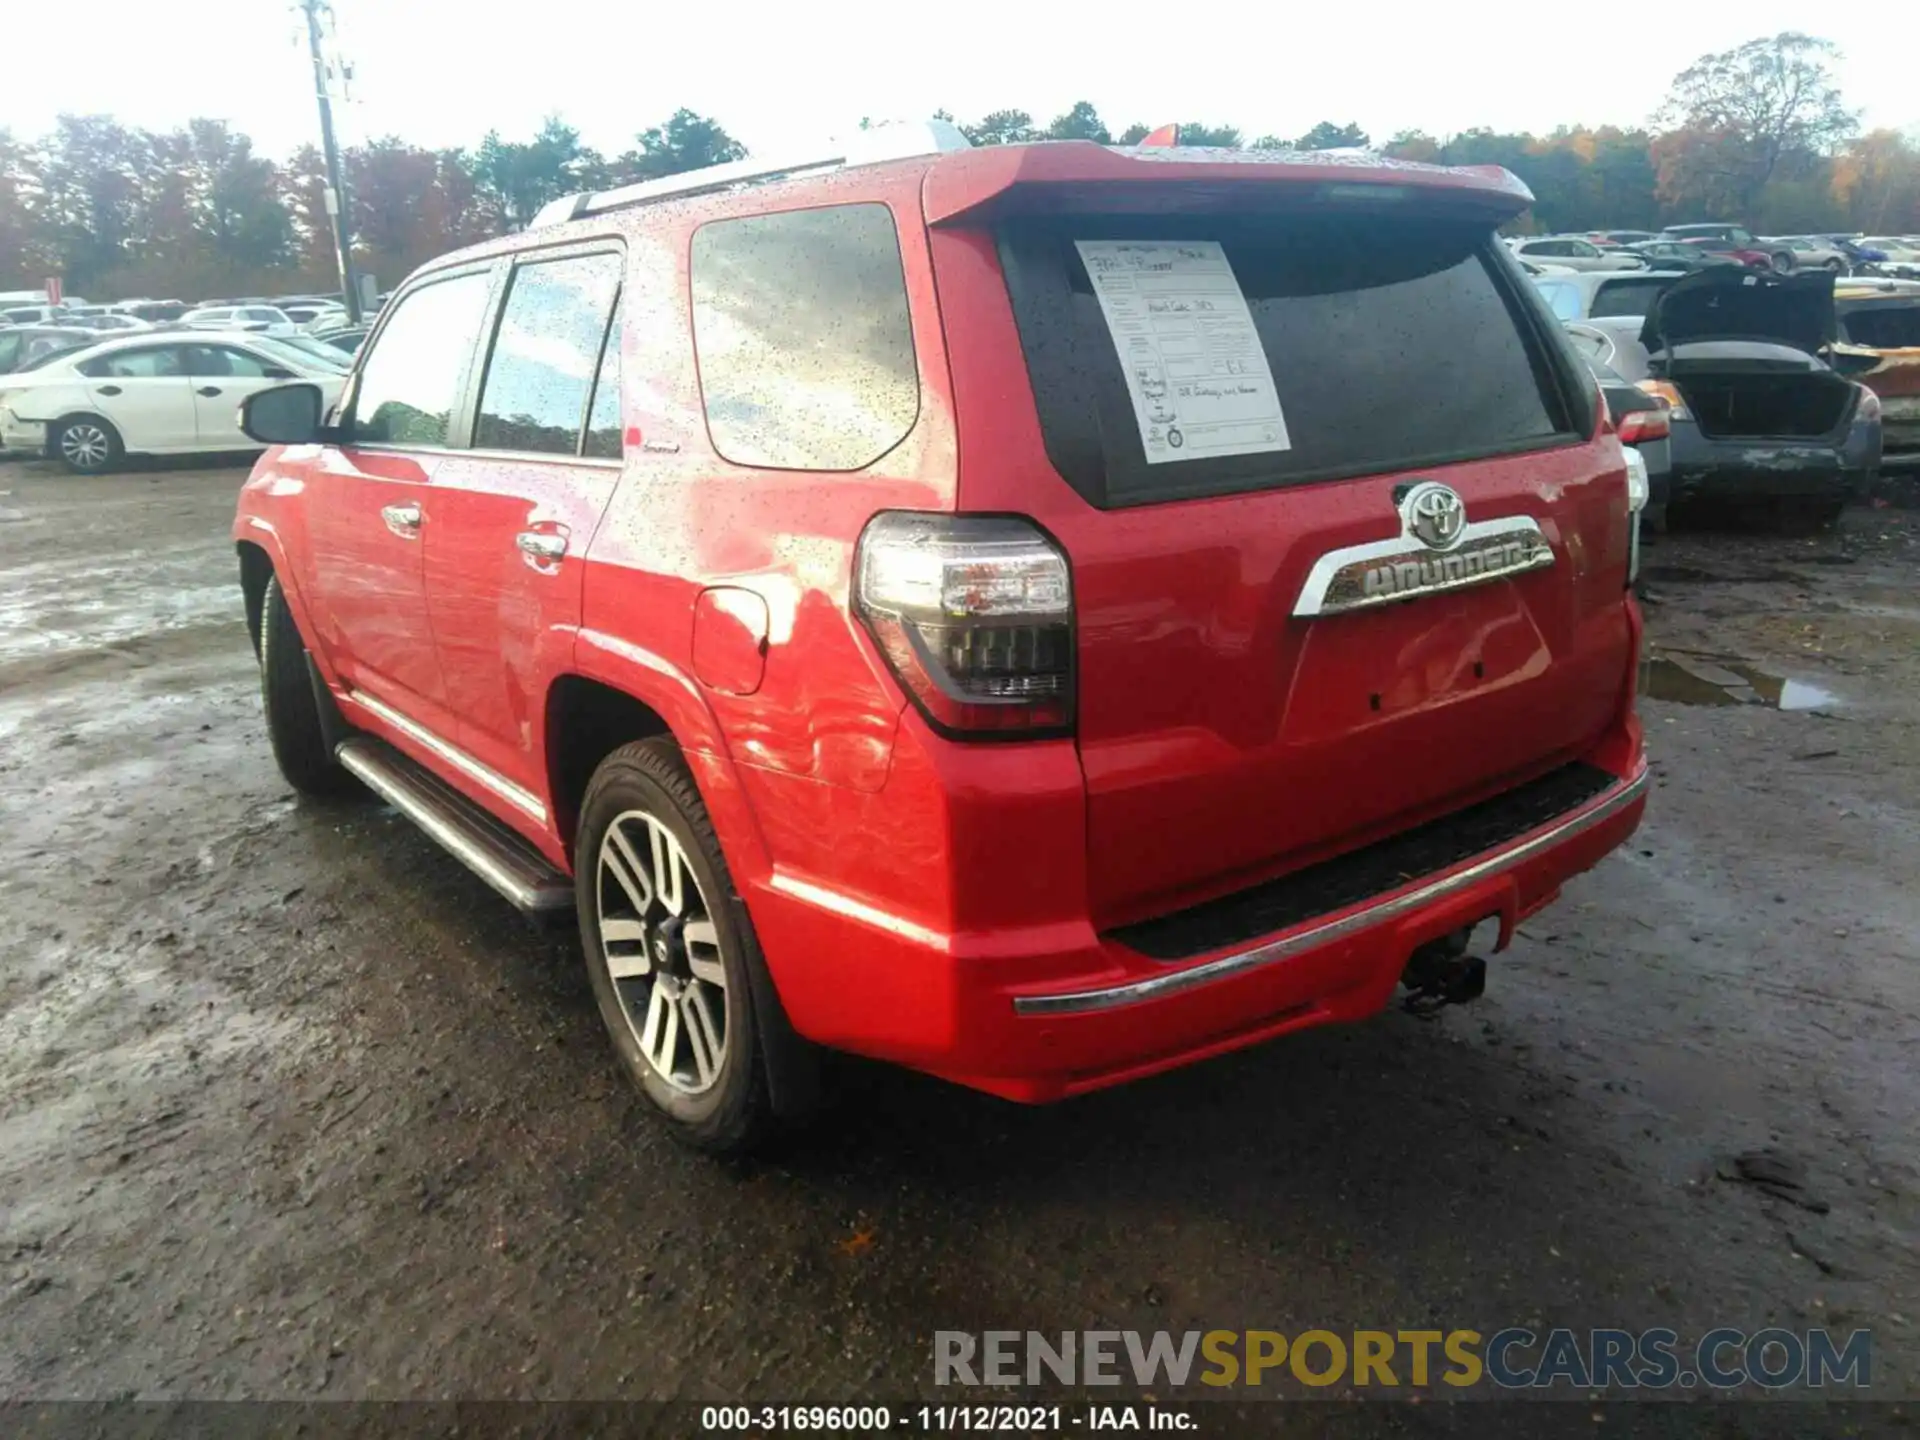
{"x":1900,"y":424}
{"x":26,"y":436}
{"x":1754,"y":468}
{"x":1049,"y":1010}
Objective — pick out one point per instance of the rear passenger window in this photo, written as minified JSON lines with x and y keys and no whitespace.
{"x":603,"y":423}
{"x":545,"y":353}
{"x":161,"y":362}
{"x":219,"y":360}
{"x":1392,"y":345}
{"x":805,"y":344}
{"x":414,"y":375}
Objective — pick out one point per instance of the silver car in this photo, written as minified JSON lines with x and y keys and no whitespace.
{"x":1805,"y":252}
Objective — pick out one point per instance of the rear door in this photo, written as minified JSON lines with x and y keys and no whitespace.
{"x":222,"y":377}
{"x":144,"y":391}
{"x":1273,"y":665}
{"x":514,"y":511}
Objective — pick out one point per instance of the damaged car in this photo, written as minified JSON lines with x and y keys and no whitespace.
{"x":1758,"y":417}
{"x":1878,"y":333}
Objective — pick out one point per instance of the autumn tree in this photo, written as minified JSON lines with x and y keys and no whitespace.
{"x":1737,"y":119}
{"x":522,"y":177}
{"x":1413,"y":145}
{"x":1002,"y":127}
{"x":1222,"y":137}
{"x":1876,"y":181}
{"x":685,"y":141}
{"x":1329,"y":136}
{"x":1080,"y":122}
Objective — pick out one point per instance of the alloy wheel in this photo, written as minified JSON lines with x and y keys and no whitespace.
{"x":84,"y":445}
{"x":662,"y":951}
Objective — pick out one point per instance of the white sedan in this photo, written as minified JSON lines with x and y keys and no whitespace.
{"x":149,"y":395}
{"x":1573,"y":253}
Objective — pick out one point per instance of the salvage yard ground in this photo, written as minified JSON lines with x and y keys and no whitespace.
{"x":291,"y":1105}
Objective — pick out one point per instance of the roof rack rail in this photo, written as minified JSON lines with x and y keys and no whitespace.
{"x":864,"y":147}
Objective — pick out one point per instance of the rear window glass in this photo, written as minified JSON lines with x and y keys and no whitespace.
{"x":1885,"y":327}
{"x":805,"y":344}
{"x":1391,"y":345}
{"x":1626,"y":297}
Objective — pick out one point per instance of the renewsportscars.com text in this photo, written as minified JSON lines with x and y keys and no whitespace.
{"x":1513,"y":1358}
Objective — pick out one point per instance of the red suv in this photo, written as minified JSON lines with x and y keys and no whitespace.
{"x":1040,"y":615}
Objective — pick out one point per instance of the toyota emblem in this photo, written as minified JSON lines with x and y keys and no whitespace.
{"x":1433,"y":514}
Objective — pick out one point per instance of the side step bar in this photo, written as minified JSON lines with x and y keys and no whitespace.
{"x":480,"y":842}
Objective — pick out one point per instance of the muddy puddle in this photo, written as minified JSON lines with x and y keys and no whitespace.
{"x":1698,"y":680}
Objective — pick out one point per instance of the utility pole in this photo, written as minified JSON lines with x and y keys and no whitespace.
{"x":337,"y":210}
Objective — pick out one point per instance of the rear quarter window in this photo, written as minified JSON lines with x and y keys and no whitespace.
{"x":805,"y":343}
{"x":1392,"y":345}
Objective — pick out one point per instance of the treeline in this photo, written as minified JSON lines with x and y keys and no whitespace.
{"x":1758,"y":134}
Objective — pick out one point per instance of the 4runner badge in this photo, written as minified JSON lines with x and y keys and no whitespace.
{"x":1437,"y":549}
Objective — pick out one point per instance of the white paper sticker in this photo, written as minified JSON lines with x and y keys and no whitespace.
{"x":1196,"y":371}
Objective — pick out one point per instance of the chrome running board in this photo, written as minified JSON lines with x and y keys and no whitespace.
{"x":493,"y":852}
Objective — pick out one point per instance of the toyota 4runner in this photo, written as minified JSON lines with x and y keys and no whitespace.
{"x":1041,"y":614}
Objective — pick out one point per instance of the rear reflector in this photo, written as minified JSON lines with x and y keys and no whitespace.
{"x":974,"y":615}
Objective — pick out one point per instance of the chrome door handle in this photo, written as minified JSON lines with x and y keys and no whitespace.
{"x":539,"y":547}
{"x":402,"y":520}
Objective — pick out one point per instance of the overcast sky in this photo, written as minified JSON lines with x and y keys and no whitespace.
{"x":442,"y":73}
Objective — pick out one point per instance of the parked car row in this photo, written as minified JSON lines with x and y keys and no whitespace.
{"x":152,"y":394}
{"x":1717,"y":242}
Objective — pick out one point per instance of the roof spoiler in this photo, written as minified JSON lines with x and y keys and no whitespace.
{"x":1080,"y":172}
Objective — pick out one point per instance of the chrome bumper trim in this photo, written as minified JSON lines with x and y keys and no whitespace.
{"x":1079,"y":1002}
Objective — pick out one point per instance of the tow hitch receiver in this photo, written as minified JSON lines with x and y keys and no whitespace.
{"x":1442,"y":973}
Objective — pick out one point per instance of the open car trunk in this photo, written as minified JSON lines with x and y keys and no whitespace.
{"x":1793,"y":397}
{"x":1241,"y":396}
{"x":1744,"y":351}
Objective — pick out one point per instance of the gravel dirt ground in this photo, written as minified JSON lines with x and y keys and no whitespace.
{"x":292,"y":1106}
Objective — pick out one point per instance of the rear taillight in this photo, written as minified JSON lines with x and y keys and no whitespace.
{"x":974,"y":613}
{"x":1868,"y":405}
{"x":1637,"y":427}
{"x":1666,"y":390}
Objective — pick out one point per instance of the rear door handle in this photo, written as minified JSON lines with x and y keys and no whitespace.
{"x":109,"y":389}
{"x":402,"y":520}
{"x":209,"y":390}
{"x":541,"y":547}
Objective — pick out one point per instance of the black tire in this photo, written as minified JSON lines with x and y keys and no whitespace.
{"x":734,"y":1113}
{"x":1783,"y":261}
{"x":87,"y":445}
{"x":293,"y":711}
